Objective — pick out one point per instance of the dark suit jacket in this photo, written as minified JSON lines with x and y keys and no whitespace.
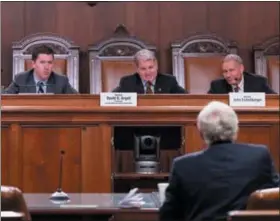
{"x":165,"y":84}
{"x":24,"y":83}
{"x":252,"y":83}
{"x":207,"y":184}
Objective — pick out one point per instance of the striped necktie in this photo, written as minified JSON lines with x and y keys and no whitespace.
{"x":149,"y":89}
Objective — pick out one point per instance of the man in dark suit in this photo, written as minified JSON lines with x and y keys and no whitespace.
{"x":236,"y":80}
{"x":147,"y":80}
{"x":206,"y":185}
{"x":41,"y":79}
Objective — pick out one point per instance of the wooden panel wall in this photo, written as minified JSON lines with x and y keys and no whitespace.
{"x":34,"y":164}
{"x":159,"y":23}
{"x":34,"y":130}
{"x":31,"y":156}
{"x":5,"y":152}
{"x":41,"y":148}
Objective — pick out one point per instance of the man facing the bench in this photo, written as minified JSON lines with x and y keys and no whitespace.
{"x":206,"y":185}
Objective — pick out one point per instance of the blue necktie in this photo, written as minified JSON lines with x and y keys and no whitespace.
{"x":40,"y":85}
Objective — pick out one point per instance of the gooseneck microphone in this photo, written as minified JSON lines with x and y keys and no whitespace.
{"x":59,"y":196}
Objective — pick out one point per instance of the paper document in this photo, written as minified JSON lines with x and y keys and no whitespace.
{"x":132,"y":199}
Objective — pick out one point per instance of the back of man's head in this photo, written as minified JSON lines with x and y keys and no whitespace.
{"x":217,"y":122}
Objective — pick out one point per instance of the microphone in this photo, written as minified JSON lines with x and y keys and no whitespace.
{"x":59,"y":196}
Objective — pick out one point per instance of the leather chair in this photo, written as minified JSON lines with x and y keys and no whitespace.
{"x":197,"y":60}
{"x":267,"y":60}
{"x":66,"y":55}
{"x":12,"y":200}
{"x":264,"y":199}
{"x":113,"y":58}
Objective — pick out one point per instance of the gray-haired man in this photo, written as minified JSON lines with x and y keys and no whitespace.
{"x":147,"y":79}
{"x":236,"y":80}
{"x":206,"y":185}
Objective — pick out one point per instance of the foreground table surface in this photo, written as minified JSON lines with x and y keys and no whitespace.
{"x":96,"y":207}
{"x":110,"y":202}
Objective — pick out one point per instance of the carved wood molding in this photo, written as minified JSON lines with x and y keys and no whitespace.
{"x":35,"y":39}
{"x":120,"y":43}
{"x":204,"y":43}
{"x":119,"y":50}
{"x":205,"y":47}
{"x":270,"y":46}
{"x":58,"y":49}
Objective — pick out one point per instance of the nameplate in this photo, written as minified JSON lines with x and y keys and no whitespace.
{"x":118,"y":99}
{"x":247,"y":99}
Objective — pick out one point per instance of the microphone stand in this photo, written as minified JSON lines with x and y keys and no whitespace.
{"x":59,"y":196}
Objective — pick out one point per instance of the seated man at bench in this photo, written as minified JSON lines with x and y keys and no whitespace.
{"x":41,"y":78}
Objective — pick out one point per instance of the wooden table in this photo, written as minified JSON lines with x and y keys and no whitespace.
{"x":35,"y":129}
{"x":89,"y":207}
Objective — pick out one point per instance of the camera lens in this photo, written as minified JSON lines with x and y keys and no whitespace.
{"x":148,"y":141}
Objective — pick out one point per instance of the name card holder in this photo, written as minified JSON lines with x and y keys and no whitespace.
{"x":118,"y":99}
{"x":247,"y":99}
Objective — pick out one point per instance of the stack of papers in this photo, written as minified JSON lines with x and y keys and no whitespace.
{"x":132,"y":199}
